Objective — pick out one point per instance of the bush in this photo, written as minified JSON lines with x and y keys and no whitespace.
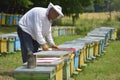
{"x":78,"y":31}
{"x":63,"y":22}
{"x":117,"y":17}
{"x":81,"y":31}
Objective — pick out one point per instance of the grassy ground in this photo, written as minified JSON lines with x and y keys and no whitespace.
{"x":7,"y":29}
{"x":7,"y":64}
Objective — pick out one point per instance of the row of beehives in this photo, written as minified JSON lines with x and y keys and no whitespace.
{"x":9,"y":19}
{"x":61,"y":31}
{"x":72,"y":57}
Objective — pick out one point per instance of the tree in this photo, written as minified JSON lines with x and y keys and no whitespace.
{"x":70,"y":7}
{"x":115,"y":5}
{"x":99,"y":5}
{"x":74,"y":7}
{"x":14,"y":6}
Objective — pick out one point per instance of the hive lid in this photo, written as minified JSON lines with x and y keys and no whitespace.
{"x":36,"y":69}
{"x":52,"y":53}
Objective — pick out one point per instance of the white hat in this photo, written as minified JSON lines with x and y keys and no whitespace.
{"x":57,"y":8}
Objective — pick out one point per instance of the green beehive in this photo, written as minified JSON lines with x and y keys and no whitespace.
{"x":58,"y":63}
{"x":91,"y":50}
{"x":38,"y":73}
{"x":66,"y":69}
{"x":11,"y":45}
{"x":60,"y":54}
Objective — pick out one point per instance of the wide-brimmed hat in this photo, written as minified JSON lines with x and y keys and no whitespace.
{"x":57,"y":8}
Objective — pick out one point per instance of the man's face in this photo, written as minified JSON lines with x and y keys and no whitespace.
{"x":53,"y":14}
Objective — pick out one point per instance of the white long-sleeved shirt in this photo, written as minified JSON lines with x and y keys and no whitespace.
{"x":35,"y":22}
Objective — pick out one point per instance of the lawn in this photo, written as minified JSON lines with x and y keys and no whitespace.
{"x":7,"y":29}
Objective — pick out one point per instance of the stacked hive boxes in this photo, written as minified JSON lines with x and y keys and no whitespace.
{"x":61,"y":63}
{"x":72,"y":57}
{"x":60,"y":54}
{"x":9,"y":43}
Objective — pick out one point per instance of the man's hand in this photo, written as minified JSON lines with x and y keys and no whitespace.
{"x":45,"y":47}
{"x":55,"y":46}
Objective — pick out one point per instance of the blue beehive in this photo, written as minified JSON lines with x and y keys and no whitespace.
{"x":17,"y":44}
{"x":59,"y":31}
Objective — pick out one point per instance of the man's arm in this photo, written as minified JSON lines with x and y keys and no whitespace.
{"x":49,"y":39}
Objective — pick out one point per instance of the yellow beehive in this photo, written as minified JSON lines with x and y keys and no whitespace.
{"x":81,"y":58}
{"x":72,"y":64}
{"x":59,"y":71}
{"x":3,"y":45}
{"x":87,"y":47}
{"x":115,"y":34}
{"x":96,"y":47}
{"x":3,"y":19}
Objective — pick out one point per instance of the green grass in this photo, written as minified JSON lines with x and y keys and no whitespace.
{"x":8,"y":29}
{"x":86,"y":25}
{"x":7,"y":64}
{"x":62,"y":39}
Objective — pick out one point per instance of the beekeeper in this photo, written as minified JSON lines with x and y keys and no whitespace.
{"x":35,"y":29}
